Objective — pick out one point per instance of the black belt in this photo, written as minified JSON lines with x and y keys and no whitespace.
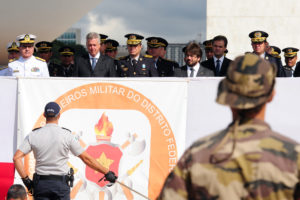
{"x":52,"y":177}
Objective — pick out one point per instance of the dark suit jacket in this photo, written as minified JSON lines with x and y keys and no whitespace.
{"x":203,"y":71}
{"x":211,"y":65}
{"x":277,"y":63}
{"x":297,"y":70}
{"x":286,"y":72}
{"x":166,"y":67}
{"x":105,"y":67}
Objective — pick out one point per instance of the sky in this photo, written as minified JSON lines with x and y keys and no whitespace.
{"x":178,"y":21}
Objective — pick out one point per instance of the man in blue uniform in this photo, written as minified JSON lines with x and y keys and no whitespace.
{"x":290,"y":58}
{"x":259,"y":46}
{"x":136,"y":65}
{"x":156,"y":47}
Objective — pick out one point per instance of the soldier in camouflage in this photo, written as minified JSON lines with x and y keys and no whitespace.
{"x":246,"y":160}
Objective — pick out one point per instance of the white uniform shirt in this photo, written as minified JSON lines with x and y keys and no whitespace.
{"x":51,"y":145}
{"x":5,"y":71}
{"x":30,"y":67}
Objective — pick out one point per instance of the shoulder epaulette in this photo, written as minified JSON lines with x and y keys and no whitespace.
{"x":122,"y":58}
{"x":66,"y":129}
{"x":148,"y":56}
{"x":3,"y":67}
{"x":41,"y":59}
{"x":11,"y":60}
{"x":36,"y":128}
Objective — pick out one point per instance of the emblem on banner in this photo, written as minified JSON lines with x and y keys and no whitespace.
{"x":129,"y":155}
{"x":105,"y":152}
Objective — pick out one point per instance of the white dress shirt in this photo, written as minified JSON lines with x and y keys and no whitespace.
{"x":221,"y":61}
{"x":196,"y":68}
{"x":97,"y":57}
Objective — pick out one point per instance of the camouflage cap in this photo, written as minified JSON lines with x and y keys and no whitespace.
{"x":249,"y":82}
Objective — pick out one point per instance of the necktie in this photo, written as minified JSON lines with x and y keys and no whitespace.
{"x":93,"y":63}
{"x":134,"y":62}
{"x":218,"y":68}
{"x":192,"y":72}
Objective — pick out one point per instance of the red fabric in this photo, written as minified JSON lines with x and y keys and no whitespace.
{"x":7,"y":174}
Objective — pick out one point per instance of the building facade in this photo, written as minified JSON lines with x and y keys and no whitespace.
{"x":71,"y":36}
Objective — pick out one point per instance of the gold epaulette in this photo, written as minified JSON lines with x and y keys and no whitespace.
{"x":148,"y":56}
{"x":41,"y":59}
{"x":122,"y":58}
{"x":11,"y":60}
{"x":3,"y":67}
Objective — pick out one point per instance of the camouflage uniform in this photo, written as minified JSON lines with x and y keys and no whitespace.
{"x":247,"y":160}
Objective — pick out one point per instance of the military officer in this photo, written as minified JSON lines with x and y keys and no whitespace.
{"x":66,"y":68}
{"x":136,"y":65}
{"x":44,"y":51}
{"x":102,"y":43}
{"x":259,"y":46}
{"x":275,"y":52}
{"x":156,"y":47}
{"x":208,"y":47}
{"x":290,"y":58}
{"x":28,"y":65}
{"x":13,"y":50}
{"x":111,"y":48}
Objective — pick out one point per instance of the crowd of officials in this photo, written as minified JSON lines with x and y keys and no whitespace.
{"x":101,"y":61}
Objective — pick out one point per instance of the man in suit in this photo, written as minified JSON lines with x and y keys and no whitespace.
{"x":218,"y":63}
{"x":260,"y":45}
{"x":136,"y":65}
{"x":94,"y":64}
{"x":156,"y":47}
{"x":290,"y":58}
{"x":193,"y":54}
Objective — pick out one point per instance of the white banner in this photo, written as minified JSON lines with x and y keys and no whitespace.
{"x":134,"y":127}
{"x":8,"y":107}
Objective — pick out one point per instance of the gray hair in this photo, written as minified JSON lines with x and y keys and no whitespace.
{"x":92,"y":35}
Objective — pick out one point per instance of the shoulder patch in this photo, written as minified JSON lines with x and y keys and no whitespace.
{"x":3,"y":67}
{"x":36,"y":128}
{"x":66,"y":129}
{"x":11,"y":60}
{"x":148,"y":56}
{"x":41,"y":59}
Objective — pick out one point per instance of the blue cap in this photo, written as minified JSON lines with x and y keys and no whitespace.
{"x":52,"y":109}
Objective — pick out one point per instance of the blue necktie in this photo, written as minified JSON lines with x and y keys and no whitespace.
{"x":93,"y":63}
{"x":218,"y":68}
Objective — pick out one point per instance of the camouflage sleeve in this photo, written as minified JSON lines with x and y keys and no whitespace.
{"x":297,"y":187}
{"x":175,"y":186}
